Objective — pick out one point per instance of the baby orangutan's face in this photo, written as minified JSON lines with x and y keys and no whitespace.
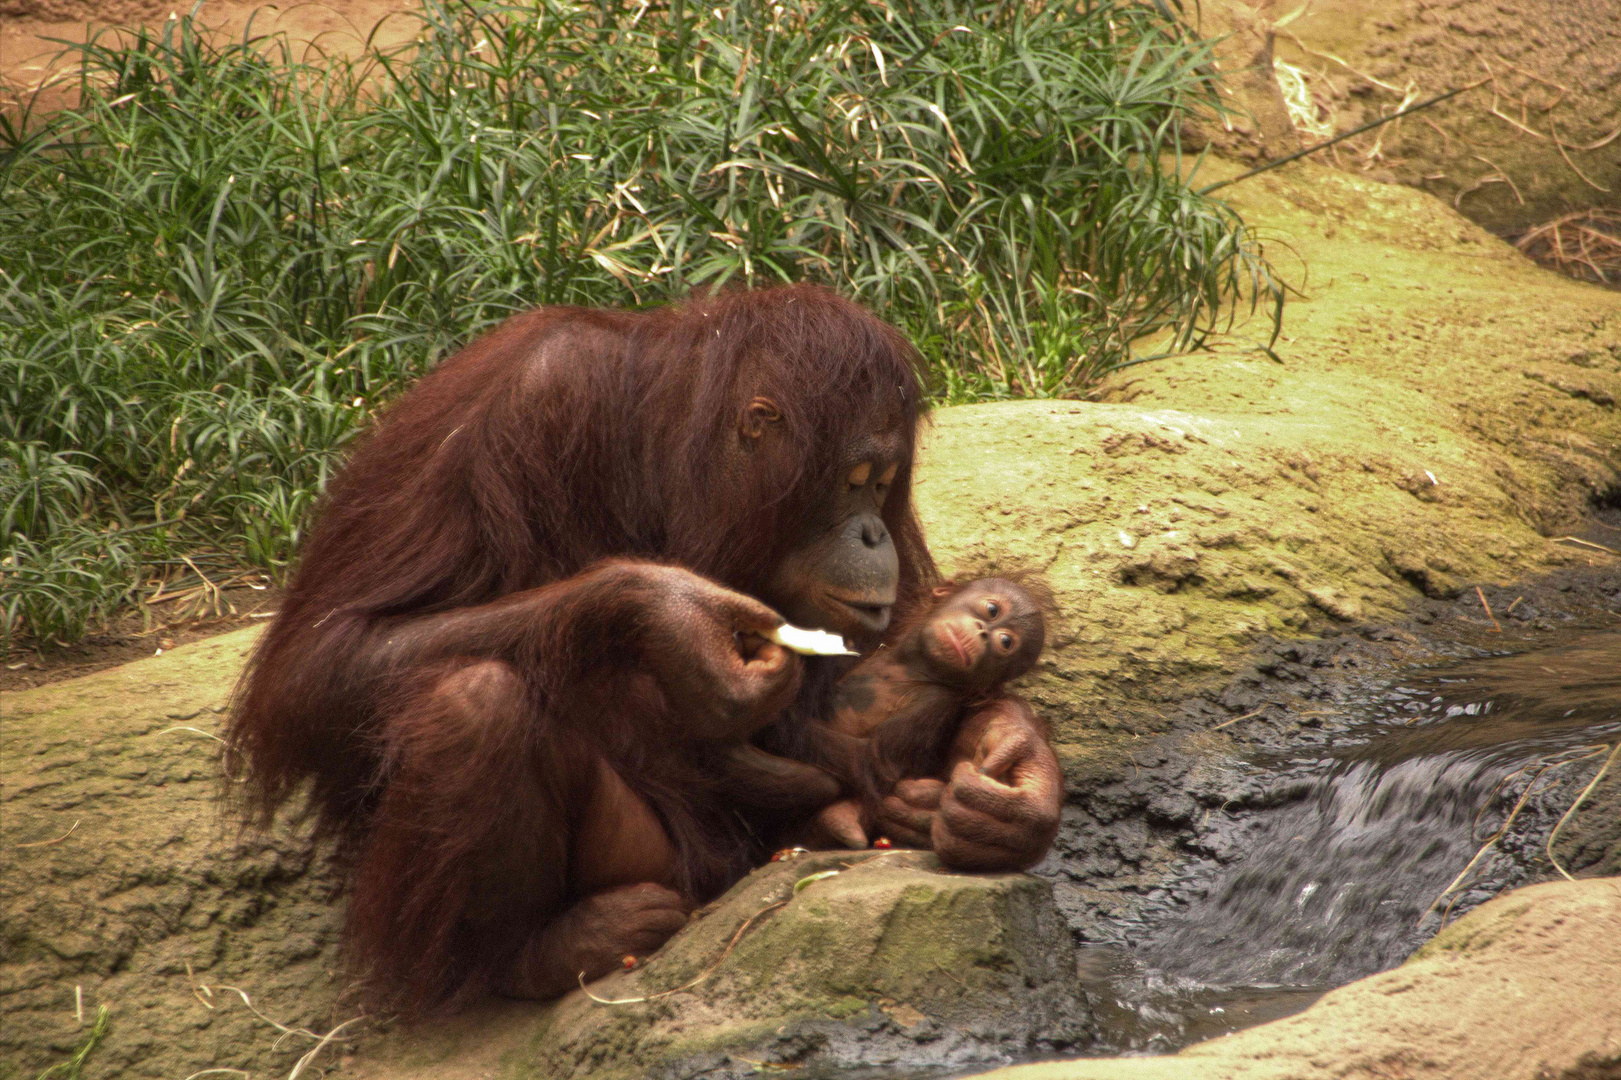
{"x":982,"y":634}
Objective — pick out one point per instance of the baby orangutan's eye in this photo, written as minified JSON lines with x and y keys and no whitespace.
{"x":992,"y":609}
{"x":1005,"y":640}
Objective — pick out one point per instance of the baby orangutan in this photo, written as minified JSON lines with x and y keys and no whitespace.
{"x":898,"y":714}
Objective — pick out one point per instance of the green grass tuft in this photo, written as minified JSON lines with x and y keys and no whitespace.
{"x":73,"y":1068}
{"x":215,"y":268}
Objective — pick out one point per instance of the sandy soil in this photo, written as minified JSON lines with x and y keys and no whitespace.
{"x":34,"y":33}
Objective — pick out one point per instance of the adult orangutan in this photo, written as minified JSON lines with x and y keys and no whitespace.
{"x":519,"y":664}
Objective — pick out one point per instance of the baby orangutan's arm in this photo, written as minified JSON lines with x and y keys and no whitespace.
{"x":757,"y":778}
{"x":999,"y":810}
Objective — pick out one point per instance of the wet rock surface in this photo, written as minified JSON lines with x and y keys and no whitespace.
{"x":1250,"y":557}
{"x":1301,"y":827}
{"x":1523,"y":988}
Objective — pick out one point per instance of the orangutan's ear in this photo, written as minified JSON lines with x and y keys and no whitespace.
{"x":759,"y":413}
{"x":943,"y":591}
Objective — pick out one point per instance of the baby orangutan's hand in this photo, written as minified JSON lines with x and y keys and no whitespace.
{"x":837,"y":825}
{"x":907,"y":816}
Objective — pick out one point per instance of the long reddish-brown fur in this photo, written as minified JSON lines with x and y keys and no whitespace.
{"x":564,"y":437}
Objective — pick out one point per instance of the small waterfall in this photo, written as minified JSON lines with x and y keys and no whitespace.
{"x":1344,"y":852}
{"x":1336,"y":884}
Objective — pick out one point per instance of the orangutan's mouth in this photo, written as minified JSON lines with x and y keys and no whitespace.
{"x":962,"y":649}
{"x":870,"y":618}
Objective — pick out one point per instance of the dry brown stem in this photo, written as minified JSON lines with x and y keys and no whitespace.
{"x":1568,"y":814}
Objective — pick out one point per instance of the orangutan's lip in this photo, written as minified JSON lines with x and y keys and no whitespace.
{"x":958,"y":646}
{"x":873,"y":618}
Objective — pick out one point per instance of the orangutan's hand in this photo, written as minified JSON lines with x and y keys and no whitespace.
{"x":705,"y":645}
{"x":999,"y":811}
{"x":838,"y":825}
{"x":907,"y":816}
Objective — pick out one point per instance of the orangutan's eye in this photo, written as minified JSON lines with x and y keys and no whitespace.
{"x":1006,"y":641}
{"x":859,"y":475}
{"x":992,"y":609}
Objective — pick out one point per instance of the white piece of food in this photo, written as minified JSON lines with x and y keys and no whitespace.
{"x":809,"y":642}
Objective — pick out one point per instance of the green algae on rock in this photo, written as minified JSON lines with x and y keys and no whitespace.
{"x":890,"y":960}
{"x":1443,"y":408}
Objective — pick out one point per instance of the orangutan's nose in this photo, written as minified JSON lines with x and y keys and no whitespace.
{"x":873,"y":533}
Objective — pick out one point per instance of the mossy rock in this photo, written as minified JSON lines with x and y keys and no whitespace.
{"x":1443,"y":407}
{"x":122,"y":886}
{"x":887,"y":961}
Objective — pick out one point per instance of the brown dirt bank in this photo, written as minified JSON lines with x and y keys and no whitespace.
{"x":32,"y":32}
{"x":1540,"y":138}
{"x":1531,"y":149}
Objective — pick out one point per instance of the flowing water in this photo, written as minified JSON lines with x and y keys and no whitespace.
{"x":1333,"y":870}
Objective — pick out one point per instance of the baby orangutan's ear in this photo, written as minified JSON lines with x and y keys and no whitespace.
{"x":945,"y":590}
{"x":756,"y":415}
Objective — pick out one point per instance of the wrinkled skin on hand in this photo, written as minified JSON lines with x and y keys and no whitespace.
{"x":999,"y":809}
{"x":704,"y":644}
{"x":593,"y":938}
{"x":837,"y":825}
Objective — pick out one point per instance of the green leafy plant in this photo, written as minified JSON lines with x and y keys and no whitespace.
{"x":216,"y":267}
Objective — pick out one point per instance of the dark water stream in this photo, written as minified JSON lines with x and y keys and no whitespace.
{"x":1327,"y":868}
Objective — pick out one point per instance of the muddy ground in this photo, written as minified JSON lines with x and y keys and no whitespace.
{"x":35,"y":33}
